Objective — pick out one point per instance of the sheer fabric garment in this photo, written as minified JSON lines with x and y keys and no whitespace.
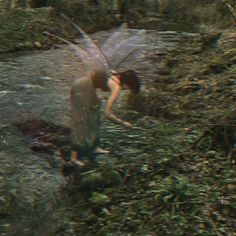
{"x":85,"y":120}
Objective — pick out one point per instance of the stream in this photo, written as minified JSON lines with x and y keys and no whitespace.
{"x":34,"y":102}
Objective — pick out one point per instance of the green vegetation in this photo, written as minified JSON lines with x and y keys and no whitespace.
{"x":22,"y":22}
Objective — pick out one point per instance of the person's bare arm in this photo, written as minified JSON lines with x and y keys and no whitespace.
{"x":109,"y":107}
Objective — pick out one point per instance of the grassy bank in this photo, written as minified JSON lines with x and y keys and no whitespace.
{"x":22,"y":30}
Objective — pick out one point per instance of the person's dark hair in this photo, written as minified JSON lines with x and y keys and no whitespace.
{"x":130,"y":78}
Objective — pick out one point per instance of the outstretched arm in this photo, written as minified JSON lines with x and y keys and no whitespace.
{"x":115,"y":90}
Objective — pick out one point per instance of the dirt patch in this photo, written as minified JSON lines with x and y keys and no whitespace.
{"x":46,"y":138}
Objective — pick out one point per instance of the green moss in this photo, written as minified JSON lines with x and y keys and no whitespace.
{"x":99,"y":199}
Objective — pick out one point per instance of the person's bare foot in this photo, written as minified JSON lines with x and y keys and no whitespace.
{"x":75,"y":160}
{"x":99,"y":150}
{"x":78,"y":163}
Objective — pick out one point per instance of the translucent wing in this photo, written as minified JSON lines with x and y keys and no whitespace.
{"x":114,"y":40}
{"x":92,"y":48}
{"x":87,"y":60}
{"x":122,"y":44}
{"x":130,"y":46}
{"x":95,"y":52}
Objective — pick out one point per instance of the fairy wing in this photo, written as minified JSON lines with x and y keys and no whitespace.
{"x":88,"y":60}
{"x":95,"y":52}
{"x":120,"y":46}
{"x":129,"y":47}
{"x":92,"y":49}
{"x":114,"y":40}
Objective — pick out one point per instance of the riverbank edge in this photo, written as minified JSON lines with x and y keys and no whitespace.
{"x":22,"y":30}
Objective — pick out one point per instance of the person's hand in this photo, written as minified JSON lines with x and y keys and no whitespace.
{"x":127,"y":124}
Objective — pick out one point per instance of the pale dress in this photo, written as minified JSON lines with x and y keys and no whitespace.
{"x":85,"y":115}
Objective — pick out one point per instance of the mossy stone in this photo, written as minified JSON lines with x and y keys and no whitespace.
{"x":111,"y":176}
{"x":93,"y":180}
